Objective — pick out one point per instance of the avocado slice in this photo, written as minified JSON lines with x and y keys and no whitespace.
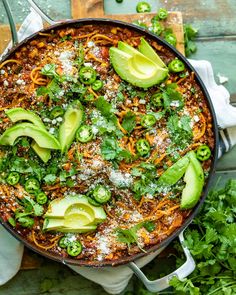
{"x":194,"y":178}
{"x":136,"y":69}
{"x":62,"y":208}
{"x":19,"y":114}
{"x":57,"y":224}
{"x":149,"y":52}
{"x":127,"y":48}
{"x":44,"y":154}
{"x":72,"y":121}
{"x":82,"y":229}
{"x":43,"y":138}
{"x":175,"y":172}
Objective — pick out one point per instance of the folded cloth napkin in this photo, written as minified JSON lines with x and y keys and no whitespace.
{"x":114,"y":280}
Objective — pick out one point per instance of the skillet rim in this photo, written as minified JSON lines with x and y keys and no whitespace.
{"x":165,"y":242}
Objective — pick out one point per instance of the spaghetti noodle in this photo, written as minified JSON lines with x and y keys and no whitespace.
{"x":110,"y":157}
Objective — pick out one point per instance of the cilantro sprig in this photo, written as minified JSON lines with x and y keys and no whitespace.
{"x":211,"y":239}
{"x":190,"y":35}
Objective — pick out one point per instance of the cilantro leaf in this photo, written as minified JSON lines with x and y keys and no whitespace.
{"x":111,"y":150}
{"x":49,"y":70}
{"x":129,"y":122}
{"x":172,"y":97}
{"x":37,"y":209}
{"x":50,"y":178}
{"x":105,"y":108}
{"x":53,"y":90}
{"x":129,"y":236}
{"x":190,"y":34}
{"x":180,"y":131}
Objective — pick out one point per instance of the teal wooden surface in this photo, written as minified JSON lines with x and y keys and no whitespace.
{"x":217,"y":34}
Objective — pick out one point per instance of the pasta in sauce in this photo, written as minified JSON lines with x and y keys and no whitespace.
{"x":110,"y":158}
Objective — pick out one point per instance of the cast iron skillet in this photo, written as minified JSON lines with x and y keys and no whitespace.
{"x":145,"y":33}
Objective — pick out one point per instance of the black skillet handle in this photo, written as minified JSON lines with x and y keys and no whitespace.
{"x":11,"y":22}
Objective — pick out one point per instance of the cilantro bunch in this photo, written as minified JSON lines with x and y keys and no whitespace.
{"x":211,"y":239}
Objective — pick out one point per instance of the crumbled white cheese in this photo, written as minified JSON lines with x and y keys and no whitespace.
{"x":120,"y":179}
{"x":5,"y":83}
{"x":103,"y":245}
{"x":96,"y":164}
{"x":84,"y":133}
{"x":88,"y":64}
{"x":196,"y":118}
{"x":90,"y":44}
{"x":52,"y":130}
{"x":59,"y":119}
{"x":71,"y":238}
{"x":174,"y":103}
{"x":66,"y":60}
{"x":136,"y":216}
{"x":46,"y":120}
{"x":20,"y":82}
{"x":2,"y":72}
{"x":142,"y":101}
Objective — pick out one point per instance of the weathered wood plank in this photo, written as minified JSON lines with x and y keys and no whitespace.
{"x":89,"y":8}
{"x":212,"y":17}
{"x":30,"y":260}
{"x":94,"y":8}
{"x":174,"y":21}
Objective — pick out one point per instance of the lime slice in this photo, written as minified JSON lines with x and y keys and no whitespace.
{"x":79,"y":208}
{"x":77,"y":220}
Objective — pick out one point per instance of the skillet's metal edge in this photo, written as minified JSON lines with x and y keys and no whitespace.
{"x":105,"y":21}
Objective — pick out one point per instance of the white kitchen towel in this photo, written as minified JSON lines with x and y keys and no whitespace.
{"x":114,"y":280}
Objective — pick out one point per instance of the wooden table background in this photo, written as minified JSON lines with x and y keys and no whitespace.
{"x":216,"y":22}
